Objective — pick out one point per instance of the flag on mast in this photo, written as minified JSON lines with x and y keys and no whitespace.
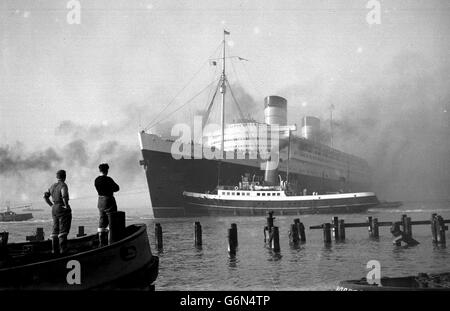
{"x":226,"y":32}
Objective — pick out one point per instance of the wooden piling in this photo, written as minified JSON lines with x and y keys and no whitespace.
{"x":116,"y":226}
{"x":80,"y":231}
{"x":341,"y":228}
{"x":335,"y":221}
{"x":369,"y":227}
{"x":397,"y":233}
{"x":197,"y":234}
{"x":327,"y":233}
{"x":232,"y":239}
{"x":404,"y":225}
{"x":235,"y":233}
{"x":158,"y":236}
{"x":270,"y":220}
{"x":434,"y":227}
{"x":39,"y":234}
{"x":3,"y":244}
{"x":441,"y":227}
{"x":275,"y":245}
{"x":408,"y":227}
{"x":300,"y":230}
{"x":375,"y":228}
{"x":293,"y":234}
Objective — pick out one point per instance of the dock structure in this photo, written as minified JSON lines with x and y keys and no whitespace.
{"x":401,"y":230}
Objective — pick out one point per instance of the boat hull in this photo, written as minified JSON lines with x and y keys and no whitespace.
{"x":198,"y":206}
{"x":438,"y":282}
{"x":125,"y":264}
{"x":16,"y":217}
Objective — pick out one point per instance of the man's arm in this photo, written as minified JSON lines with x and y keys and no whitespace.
{"x":114,"y":186}
{"x":65,"y":195}
{"x":47,"y":198}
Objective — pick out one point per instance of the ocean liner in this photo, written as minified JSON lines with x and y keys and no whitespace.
{"x":305,"y":165}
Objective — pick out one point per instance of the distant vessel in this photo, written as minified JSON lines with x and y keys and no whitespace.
{"x":309,"y":165}
{"x":12,"y":216}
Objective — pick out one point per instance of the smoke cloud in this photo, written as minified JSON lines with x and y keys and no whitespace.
{"x":397,"y":119}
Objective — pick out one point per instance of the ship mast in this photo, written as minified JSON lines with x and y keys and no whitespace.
{"x":222,"y":91}
{"x":223,"y":81}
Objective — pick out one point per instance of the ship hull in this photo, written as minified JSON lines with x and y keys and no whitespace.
{"x":167,"y":178}
{"x":15,"y":217}
{"x":200,"y":204}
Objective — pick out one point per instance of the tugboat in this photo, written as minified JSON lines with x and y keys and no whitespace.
{"x":254,"y":198}
{"x":12,"y":216}
{"x":421,"y":282}
{"x":125,"y":263}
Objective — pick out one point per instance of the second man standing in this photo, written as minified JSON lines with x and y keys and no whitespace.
{"x":106,"y":187}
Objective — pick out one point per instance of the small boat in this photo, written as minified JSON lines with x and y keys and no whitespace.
{"x":125,"y":264}
{"x":421,"y":282}
{"x":12,"y":216}
{"x":254,"y":198}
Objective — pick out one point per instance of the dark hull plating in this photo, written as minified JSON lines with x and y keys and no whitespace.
{"x":167,"y":178}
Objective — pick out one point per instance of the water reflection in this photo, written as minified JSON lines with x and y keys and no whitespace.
{"x":232,"y":261}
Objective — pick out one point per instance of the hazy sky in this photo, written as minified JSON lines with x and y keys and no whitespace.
{"x":77,"y":88}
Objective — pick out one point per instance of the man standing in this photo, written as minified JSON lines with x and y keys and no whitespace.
{"x":106,"y":187}
{"x":61,"y":212}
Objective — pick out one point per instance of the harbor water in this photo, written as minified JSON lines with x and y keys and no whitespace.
{"x":311,"y":266}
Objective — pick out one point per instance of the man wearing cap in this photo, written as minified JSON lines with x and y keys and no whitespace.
{"x":61,"y":212}
{"x":106,"y":187}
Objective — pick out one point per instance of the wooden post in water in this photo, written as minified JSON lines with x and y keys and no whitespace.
{"x":434,"y":227}
{"x":232,"y":239}
{"x":327,"y":233}
{"x":80,"y":231}
{"x":39,"y":234}
{"x":268,"y":228}
{"x":408,"y":227}
{"x":335,"y":221}
{"x":158,"y":236}
{"x":3,"y":244}
{"x":275,"y":245}
{"x":441,"y":227}
{"x":369,"y":228}
{"x":116,"y":226}
{"x":404,"y":225}
{"x":397,"y":233}
{"x":300,"y":229}
{"x":375,"y":228}
{"x":197,"y":234}
{"x":341,"y":228}
{"x":235,"y":233}
{"x":293,"y":234}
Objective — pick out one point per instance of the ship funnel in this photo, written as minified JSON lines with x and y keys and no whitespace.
{"x":275,"y":112}
{"x":311,"y":128}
